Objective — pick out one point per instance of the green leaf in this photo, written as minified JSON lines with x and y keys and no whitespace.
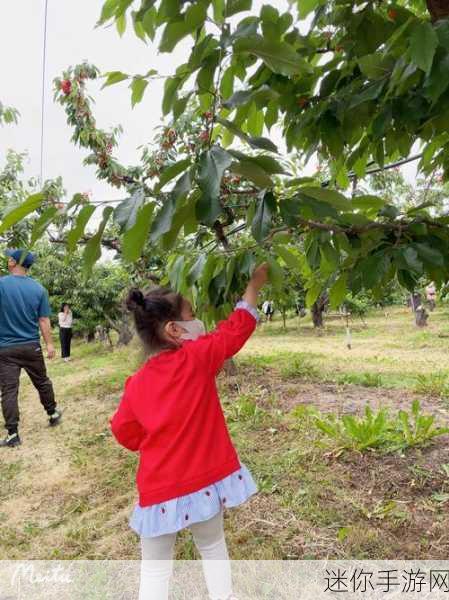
{"x":423,"y":43}
{"x":138,"y":87}
{"x":429,"y":255}
{"x":372,"y":269}
{"x":176,"y":273}
{"x":255,"y":121}
{"x":171,"y":172}
{"x":328,"y":196}
{"x":280,"y":57}
{"x":227,"y":83}
{"x":275,"y":275}
{"x":338,"y":291}
{"x":305,"y":7}
{"x":263,"y":218}
{"x":31,"y":204}
{"x":438,"y":80}
{"x":174,"y":32}
{"x":149,"y":22}
{"x":271,"y":114}
{"x":370,"y":92}
{"x":313,"y":293}
{"x":136,"y":236}
{"x":92,"y":251}
{"x":368,"y":203}
{"x":238,"y":98}
{"x":291,"y":259}
{"x":373,"y":66}
{"x":252,"y":171}
{"x":261,"y":143}
{"x":126,"y":212}
{"x":83,"y":218}
{"x":197,"y":269}
{"x":235,"y":6}
{"x":163,"y":221}
{"x":212,"y":165}
{"x":218,"y":6}
{"x":41,"y":224}
{"x":108,"y":10}
{"x":139,"y":30}
{"x":171,"y":87}
{"x":113,"y":77}
{"x":410,"y":256}
{"x":120,"y":23}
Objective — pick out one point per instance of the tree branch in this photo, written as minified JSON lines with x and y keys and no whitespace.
{"x":438,"y":9}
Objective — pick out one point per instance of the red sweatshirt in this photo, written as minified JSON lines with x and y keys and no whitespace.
{"x":170,"y":412}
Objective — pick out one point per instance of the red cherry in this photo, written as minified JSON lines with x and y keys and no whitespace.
{"x":338,"y":48}
{"x":207,"y":115}
{"x":204,"y":136}
{"x":66,"y":86}
{"x":303,"y":101}
{"x":392,"y":14}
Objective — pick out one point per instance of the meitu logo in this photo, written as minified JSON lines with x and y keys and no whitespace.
{"x":28,"y":573}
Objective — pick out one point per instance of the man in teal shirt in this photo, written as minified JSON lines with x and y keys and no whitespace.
{"x":24,"y":314}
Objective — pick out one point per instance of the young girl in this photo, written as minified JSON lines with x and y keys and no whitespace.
{"x":170,"y":413}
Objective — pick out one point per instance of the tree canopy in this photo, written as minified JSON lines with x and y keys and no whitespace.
{"x":361,"y":87}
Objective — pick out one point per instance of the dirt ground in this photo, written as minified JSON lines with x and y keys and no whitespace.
{"x":68,"y":492}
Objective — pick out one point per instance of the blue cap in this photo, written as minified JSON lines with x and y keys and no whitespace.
{"x":22,"y":257}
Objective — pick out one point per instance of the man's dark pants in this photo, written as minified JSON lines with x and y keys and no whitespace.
{"x":12,"y":360}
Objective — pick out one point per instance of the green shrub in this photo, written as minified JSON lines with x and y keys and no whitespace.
{"x":299,"y":367}
{"x":245,"y":409}
{"x":380,"y":431}
{"x":433,"y":384}
{"x":363,"y":379}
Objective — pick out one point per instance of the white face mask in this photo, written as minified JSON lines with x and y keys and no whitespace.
{"x":195,"y":329}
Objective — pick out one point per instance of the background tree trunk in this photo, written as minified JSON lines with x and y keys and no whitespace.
{"x":123,"y":328}
{"x":438,"y":9}
{"x":89,"y":336}
{"x":318,"y":309}
{"x":421,"y":315}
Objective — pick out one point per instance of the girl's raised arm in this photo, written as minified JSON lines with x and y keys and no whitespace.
{"x":230,"y":335}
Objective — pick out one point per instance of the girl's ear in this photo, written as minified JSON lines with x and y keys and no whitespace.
{"x":172,"y":330}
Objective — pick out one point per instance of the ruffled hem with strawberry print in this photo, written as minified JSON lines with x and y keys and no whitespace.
{"x":179,"y":513}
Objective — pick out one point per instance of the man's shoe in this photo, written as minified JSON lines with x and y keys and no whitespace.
{"x":55,"y":418}
{"x":10,"y":441}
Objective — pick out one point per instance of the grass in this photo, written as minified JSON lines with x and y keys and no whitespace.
{"x":67,"y":493}
{"x":391,"y":347}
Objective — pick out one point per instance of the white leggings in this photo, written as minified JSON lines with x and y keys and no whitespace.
{"x":157,"y":561}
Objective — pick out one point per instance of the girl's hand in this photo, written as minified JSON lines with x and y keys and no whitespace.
{"x":258,"y":279}
{"x":260,"y":276}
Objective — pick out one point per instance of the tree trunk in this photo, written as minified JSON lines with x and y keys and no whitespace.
{"x":318,"y":310}
{"x":421,"y":317}
{"x":438,"y":9}
{"x":89,"y":336}
{"x":123,"y":328}
{"x":284,"y":319}
{"x":125,"y":334}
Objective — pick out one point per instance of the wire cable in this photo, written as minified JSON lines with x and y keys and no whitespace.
{"x":44,"y":61}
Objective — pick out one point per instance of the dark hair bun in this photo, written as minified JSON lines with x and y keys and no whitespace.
{"x":135,"y":300}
